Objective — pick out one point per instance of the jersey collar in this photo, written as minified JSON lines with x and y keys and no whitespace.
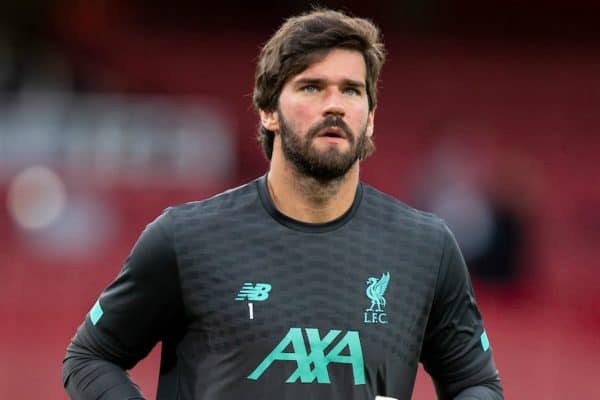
{"x":267,"y":202}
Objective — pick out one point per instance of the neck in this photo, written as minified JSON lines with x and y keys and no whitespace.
{"x":307,"y":199}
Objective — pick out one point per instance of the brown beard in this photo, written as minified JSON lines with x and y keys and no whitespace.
{"x":328,"y":165}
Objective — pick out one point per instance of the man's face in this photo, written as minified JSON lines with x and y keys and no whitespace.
{"x":323,"y":117}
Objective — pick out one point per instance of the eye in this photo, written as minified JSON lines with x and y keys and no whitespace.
{"x":309,"y":89}
{"x":352,"y":91}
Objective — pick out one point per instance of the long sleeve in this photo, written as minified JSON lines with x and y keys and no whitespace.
{"x":456,"y":351}
{"x":139,"y":308}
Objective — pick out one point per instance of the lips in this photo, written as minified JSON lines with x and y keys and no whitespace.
{"x":332,"y":129}
{"x":332,"y":132}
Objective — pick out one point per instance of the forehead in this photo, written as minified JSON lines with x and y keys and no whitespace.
{"x":336,"y":65}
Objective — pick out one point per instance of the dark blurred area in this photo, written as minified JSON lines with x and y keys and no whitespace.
{"x":488,"y":115}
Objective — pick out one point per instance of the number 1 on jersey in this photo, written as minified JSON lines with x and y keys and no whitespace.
{"x":251,"y":310}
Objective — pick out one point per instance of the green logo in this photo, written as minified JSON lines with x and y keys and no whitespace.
{"x":96,"y":312}
{"x":258,"y":292}
{"x":312,"y":360}
{"x":375,"y":291}
{"x":485,"y":342}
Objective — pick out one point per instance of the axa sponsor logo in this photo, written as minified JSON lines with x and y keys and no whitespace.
{"x":313,"y":353}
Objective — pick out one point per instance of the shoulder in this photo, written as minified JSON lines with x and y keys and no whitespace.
{"x":228,"y":203}
{"x":393,"y":211}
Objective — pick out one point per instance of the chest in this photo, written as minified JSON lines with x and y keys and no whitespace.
{"x":301,"y":291}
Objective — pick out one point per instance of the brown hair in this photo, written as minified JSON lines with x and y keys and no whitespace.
{"x":303,"y":40}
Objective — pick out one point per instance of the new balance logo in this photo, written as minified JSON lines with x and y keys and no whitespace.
{"x":257,"y":292}
{"x":313,"y":365}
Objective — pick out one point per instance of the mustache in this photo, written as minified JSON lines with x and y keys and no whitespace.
{"x":331,"y":122}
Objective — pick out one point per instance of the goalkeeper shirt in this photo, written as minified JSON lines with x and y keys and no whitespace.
{"x":251,"y":304}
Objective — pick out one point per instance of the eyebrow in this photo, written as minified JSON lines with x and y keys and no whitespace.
{"x":318,"y":81}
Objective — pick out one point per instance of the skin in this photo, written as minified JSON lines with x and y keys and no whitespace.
{"x":333,"y":86}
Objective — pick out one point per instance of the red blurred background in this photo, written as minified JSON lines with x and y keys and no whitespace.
{"x":110,"y":113}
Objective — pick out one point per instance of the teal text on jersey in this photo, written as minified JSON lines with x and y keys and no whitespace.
{"x":315,"y":355}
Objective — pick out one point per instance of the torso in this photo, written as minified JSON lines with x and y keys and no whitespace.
{"x":281,"y":309}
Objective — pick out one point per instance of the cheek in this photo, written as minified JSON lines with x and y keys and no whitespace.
{"x":299,"y":116}
{"x":359,"y":119}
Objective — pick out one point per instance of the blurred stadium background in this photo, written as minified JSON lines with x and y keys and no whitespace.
{"x":489,"y":115}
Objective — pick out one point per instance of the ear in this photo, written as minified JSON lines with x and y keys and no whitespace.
{"x":371,"y":123}
{"x":270,"y":120}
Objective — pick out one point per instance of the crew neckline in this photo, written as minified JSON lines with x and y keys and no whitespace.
{"x":267,"y":202}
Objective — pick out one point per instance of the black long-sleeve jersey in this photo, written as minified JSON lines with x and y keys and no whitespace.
{"x":250,"y":304}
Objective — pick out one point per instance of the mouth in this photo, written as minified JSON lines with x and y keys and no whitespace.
{"x":332,"y":133}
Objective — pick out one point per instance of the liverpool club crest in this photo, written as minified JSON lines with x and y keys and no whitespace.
{"x":375,"y":314}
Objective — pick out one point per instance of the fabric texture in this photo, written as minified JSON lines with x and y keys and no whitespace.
{"x":252,"y":304}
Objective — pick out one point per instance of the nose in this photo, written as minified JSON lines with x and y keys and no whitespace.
{"x":334,"y":103}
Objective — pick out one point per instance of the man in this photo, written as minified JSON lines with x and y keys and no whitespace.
{"x":305,"y":283}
